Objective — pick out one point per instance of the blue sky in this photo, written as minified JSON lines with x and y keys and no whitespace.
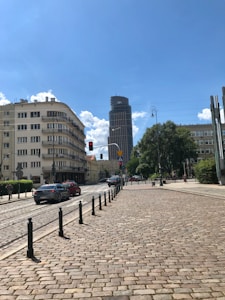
{"x":167,"y":55}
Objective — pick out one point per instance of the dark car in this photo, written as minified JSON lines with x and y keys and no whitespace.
{"x":72,"y":187}
{"x":54,"y":192}
{"x":113,"y":180}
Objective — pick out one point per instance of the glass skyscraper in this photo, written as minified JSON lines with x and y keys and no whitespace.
{"x":120,"y":129}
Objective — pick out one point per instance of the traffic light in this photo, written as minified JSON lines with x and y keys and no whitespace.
{"x":101,"y":156}
{"x":90,"y":146}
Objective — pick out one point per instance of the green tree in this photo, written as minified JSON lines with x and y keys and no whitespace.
{"x":166,"y":145}
{"x":133,"y":163}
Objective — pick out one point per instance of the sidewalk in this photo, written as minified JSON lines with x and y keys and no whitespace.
{"x":15,"y":197}
{"x":153,"y":243}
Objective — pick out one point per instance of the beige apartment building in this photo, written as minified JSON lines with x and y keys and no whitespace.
{"x":42,"y":141}
{"x":203,"y":136}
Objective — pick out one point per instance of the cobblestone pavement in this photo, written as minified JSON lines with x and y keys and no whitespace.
{"x":148,"y":243}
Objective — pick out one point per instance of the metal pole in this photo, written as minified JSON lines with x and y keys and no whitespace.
{"x":93,"y":206}
{"x":105,"y":198}
{"x":30,"y":251}
{"x":100,"y":202}
{"x":60,"y":222}
{"x":80,"y":213}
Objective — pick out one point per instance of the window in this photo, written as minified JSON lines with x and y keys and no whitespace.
{"x":36,"y":179}
{"x":35,"y":126}
{"x":35,"y":152}
{"x":22,"y":115}
{"x":22,"y":152}
{"x":6,"y":145}
{"x":35,"y":114}
{"x":6,"y":123}
{"x":22,"y":127}
{"x":22,"y":139}
{"x":6,"y":134}
{"x":35,"y":164}
{"x":24,"y":165}
{"x":35,"y":139}
{"x":6,"y":113}
{"x":6,"y":167}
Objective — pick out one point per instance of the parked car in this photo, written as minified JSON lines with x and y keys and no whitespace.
{"x":135,"y":178}
{"x":54,"y":192}
{"x":72,"y":187}
{"x":113,"y":180}
{"x":102,"y":180}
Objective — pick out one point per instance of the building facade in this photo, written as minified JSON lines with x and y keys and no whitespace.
{"x":203,"y":137}
{"x":120,"y":129}
{"x":42,"y":141}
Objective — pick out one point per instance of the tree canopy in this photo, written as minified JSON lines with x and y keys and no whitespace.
{"x":166,"y":145}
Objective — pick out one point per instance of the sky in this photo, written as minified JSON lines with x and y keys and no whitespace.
{"x":166,"y":56}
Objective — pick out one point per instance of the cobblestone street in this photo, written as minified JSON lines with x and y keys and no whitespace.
{"x":148,"y":243}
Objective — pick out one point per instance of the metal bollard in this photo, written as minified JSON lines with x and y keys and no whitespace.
{"x":61,"y":222}
{"x":93,"y":206}
{"x":109,"y":195}
{"x":100,"y":202}
{"x":112,"y":194}
{"x":105,"y":198}
{"x":80,"y":213}
{"x":30,"y":251}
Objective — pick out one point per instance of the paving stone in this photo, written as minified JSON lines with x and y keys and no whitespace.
{"x":148,"y":244}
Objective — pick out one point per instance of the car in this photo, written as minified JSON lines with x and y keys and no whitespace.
{"x":54,"y":192}
{"x":72,"y":187}
{"x":135,"y":178}
{"x":102,"y":180}
{"x":113,"y":180}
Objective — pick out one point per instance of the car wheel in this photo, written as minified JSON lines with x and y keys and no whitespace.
{"x":79,"y":193}
{"x":59,"y":198}
{"x":109,"y":184}
{"x":37,"y":202}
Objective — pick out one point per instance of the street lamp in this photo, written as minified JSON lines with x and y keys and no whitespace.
{"x":154,"y":114}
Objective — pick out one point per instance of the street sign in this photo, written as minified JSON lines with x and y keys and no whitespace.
{"x":119,"y":152}
{"x":120,"y":158}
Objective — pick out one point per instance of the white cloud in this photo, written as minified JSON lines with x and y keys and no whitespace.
{"x":138,"y":114}
{"x":3,"y":99}
{"x":206,"y":115}
{"x":97,"y":130}
{"x":41,"y":97}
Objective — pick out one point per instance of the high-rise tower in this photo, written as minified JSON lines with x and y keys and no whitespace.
{"x":120,"y":128}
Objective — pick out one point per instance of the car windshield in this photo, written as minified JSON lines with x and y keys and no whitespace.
{"x":47,"y":187}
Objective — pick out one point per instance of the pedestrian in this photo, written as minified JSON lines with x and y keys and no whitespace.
{"x":9,"y":189}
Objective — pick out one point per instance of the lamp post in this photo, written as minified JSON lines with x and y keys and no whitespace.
{"x":154,"y":114}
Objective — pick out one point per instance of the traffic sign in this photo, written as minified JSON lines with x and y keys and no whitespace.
{"x":119,"y":152}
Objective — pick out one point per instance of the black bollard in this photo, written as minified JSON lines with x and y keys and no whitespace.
{"x":30,"y":251}
{"x":93,"y":206}
{"x":109,"y":195}
{"x":80,"y":213}
{"x":61,"y":222}
{"x":112,"y":194}
{"x":105,"y":198}
{"x":100,"y":202}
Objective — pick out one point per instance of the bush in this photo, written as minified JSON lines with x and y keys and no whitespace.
{"x":205,"y":171}
{"x":21,"y":186}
